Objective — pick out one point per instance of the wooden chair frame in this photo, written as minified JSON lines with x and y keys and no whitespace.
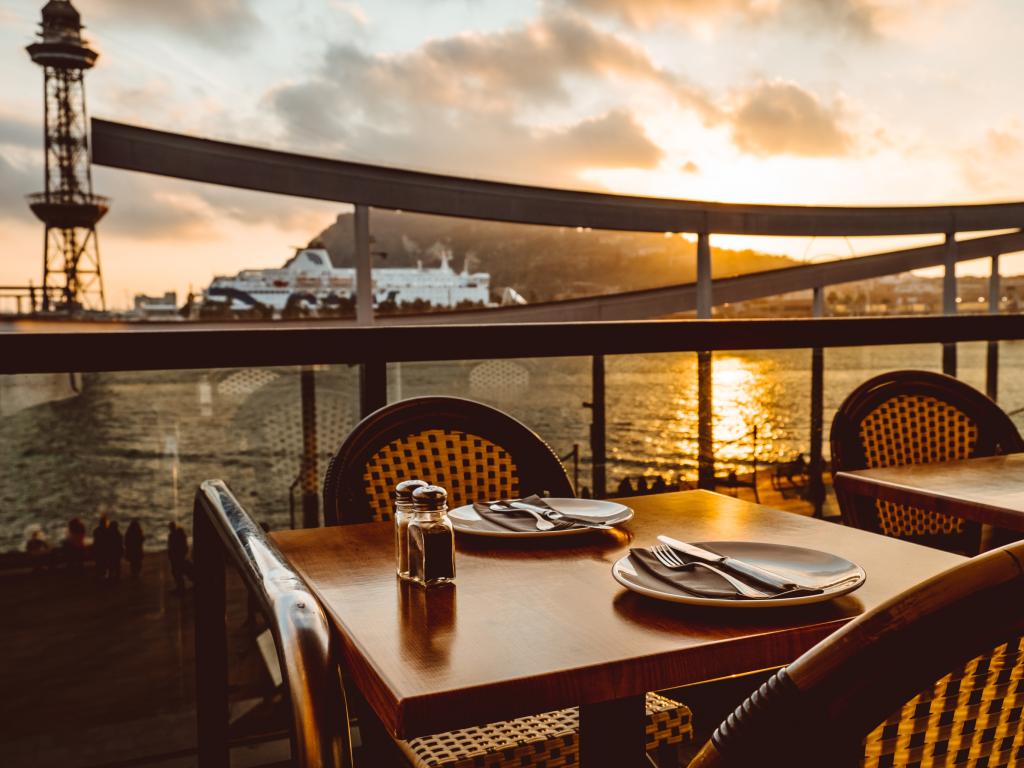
{"x":345,"y":499}
{"x":996,"y":435}
{"x":817,"y":711}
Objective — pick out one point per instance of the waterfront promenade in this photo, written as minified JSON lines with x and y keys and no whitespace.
{"x":111,"y":665}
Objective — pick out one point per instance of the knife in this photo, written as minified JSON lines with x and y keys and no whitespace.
{"x":554,"y":514}
{"x":752,"y":572}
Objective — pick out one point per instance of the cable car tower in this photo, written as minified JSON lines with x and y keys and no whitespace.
{"x":69,"y":209}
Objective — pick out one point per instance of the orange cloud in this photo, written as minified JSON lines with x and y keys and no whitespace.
{"x":781,"y":118}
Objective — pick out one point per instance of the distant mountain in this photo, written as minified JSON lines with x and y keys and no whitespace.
{"x":541,"y":263}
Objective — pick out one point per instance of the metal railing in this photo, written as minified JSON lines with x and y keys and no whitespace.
{"x":224,"y":533}
{"x":173,"y":346}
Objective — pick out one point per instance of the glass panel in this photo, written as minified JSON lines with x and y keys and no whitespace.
{"x":103,"y":667}
{"x":545,"y":394}
{"x":1010,"y":394}
{"x":970,"y":363}
{"x":761,"y":418}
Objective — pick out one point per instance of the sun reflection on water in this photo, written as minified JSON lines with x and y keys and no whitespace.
{"x":746,"y":415}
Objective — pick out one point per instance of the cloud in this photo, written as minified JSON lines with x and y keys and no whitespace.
{"x":531,"y":65}
{"x":17,"y":181}
{"x":24,"y":134}
{"x":614,"y":140}
{"x":780,"y":118}
{"x":464,"y":104}
{"x":860,"y":18}
{"x":992,"y":166}
{"x":222,"y":24}
{"x":154,"y":208}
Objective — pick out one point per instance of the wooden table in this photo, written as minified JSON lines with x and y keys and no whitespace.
{"x":540,"y":625}
{"x":987,"y":490}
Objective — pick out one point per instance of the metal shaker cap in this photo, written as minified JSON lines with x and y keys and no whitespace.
{"x":430,"y":498}
{"x":403,"y":491}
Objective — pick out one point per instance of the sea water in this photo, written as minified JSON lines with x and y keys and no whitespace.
{"x":137,"y":444}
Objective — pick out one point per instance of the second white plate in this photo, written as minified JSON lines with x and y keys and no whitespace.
{"x":466,"y":520}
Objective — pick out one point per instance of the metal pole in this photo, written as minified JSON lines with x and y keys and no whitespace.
{"x":372,"y":376}
{"x":815,"y":479}
{"x":598,"y":448}
{"x":703,"y":276}
{"x":992,"y":358}
{"x":949,"y":301}
{"x":373,"y":387}
{"x":364,"y":269}
{"x":310,"y":473}
{"x":705,"y":393}
{"x":211,"y":640}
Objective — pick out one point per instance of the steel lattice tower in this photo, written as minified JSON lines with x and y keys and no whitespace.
{"x":71,"y":254}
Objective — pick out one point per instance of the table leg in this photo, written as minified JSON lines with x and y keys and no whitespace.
{"x":612,"y":733}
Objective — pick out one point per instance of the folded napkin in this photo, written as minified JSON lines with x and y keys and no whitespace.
{"x":695,"y":580}
{"x":512,"y":519}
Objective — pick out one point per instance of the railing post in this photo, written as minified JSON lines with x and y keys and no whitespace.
{"x":372,"y":376}
{"x":211,"y":645}
{"x":949,"y":301}
{"x":705,"y":393}
{"x":364,"y":267}
{"x":373,"y":387}
{"x":815,"y":479}
{"x":992,"y":358}
{"x":598,"y":447}
{"x":310,"y":471}
{"x":703,"y":276}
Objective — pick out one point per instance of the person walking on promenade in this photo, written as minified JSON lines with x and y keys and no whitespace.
{"x":115,"y":551}
{"x":177,"y":553}
{"x":101,"y":546}
{"x":133,"y":538}
{"x":74,"y":543}
{"x":38,"y":549}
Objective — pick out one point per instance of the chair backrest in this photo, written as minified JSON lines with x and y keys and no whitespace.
{"x":916,"y":417}
{"x":933,"y":677}
{"x":474,"y":451}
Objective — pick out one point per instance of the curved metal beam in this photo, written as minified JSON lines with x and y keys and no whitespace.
{"x":186,"y":157}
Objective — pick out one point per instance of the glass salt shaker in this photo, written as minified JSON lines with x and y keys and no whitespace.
{"x":431,"y":538}
{"x":402,"y":515}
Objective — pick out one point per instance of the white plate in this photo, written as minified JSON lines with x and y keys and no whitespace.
{"x":805,"y":566}
{"x":466,"y":520}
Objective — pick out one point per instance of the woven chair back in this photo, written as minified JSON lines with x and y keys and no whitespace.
{"x":916,"y":417}
{"x":474,"y":451}
{"x":934,"y":677}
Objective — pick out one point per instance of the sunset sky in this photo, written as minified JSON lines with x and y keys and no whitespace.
{"x":796,"y":101}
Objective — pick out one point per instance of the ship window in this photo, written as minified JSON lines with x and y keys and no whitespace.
{"x":315,"y":258}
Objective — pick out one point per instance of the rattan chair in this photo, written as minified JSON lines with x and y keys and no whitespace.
{"x":916,"y":417}
{"x":472,"y":450}
{"x":475,"y":452}
{"x":933,"y":677}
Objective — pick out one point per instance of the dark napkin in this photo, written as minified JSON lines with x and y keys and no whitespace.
{"x":512,"y":519}
{"x":695,"y":580}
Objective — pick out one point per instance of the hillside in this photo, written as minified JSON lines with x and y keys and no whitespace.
{"x":541,"y":263}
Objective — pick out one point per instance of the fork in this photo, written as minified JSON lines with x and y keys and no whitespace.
{"x":543,"y":523}
{"x":668,"y":557}
{"x":674,"y":561}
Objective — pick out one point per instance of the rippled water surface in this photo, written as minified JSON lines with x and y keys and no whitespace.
{"x":137,"y":444}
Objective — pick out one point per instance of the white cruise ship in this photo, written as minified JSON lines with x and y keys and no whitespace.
{"x":309,"y":277}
